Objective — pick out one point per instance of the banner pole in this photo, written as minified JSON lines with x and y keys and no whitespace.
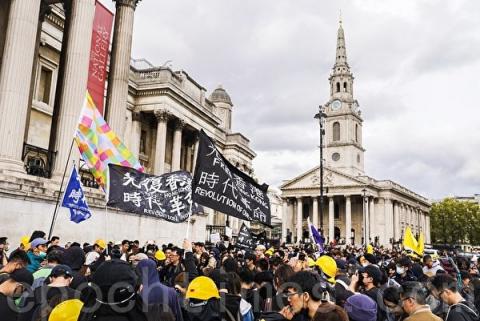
{"x":55,"y":211}
{"x":188,"y":221}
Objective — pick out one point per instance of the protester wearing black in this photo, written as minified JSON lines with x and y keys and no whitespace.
{"x":17,"y":283}
{"x":445,"y":288}
{"x":47,"y":296}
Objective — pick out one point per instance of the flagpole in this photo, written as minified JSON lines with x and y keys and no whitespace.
{"x":55,"y":212}
{"x":188,"y":221}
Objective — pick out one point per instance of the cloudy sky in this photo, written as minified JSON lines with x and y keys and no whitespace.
{"x":416,"y":65}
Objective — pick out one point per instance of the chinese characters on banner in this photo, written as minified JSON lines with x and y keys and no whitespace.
{"x":168,"y":196}
{"x":245,"y":239}
{"x":74,"y":199}
{"x":221,"y":186}
{"x":97,"y":70}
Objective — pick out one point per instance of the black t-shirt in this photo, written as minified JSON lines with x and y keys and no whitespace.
{"x":463,"y":311}
{"x":44,"y":299}
{"x":376,"y":295}
{"x":6,"y":311}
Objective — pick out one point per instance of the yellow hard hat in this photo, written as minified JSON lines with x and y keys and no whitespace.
{"x":160,"y":256}
{"x":202,"y":288}
{"x":101,"y":243}
{"x":24,"y":241}
{"x":328,"y":266}
{"x":68,"y":310}
{"x":311,"y":262}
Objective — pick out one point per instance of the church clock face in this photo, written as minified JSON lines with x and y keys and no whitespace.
{"x":336,"y":104}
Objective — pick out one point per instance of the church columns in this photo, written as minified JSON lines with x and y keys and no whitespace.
{"x":117,"y":91}
{"x":331,"y":219}
{"x":299,"y":219}
{"x":15,"y":76}
{"x":160,"y":145}
{"x":315,"y":211}
{"x":177,"y":144}
{"x":284,"y":220}
{"x":348,"y":219}
{"x":75,"y":78}
{"x":370,"y":219}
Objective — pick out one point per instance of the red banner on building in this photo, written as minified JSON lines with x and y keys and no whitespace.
{"x":97,"y":70}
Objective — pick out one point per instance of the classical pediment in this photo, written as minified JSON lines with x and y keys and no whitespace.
{"x":311,"y":179}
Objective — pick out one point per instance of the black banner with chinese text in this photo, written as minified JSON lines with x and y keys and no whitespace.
{"x":221,"y":186}
{"x":245,"y":239}
{"x":168,"y":196}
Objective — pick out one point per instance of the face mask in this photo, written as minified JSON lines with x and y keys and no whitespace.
{"x":42,"y":255}
{"x":400,"y":270}
{"x":364,"y":264}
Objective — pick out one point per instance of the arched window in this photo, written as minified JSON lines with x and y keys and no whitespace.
{"x":336,"y":131}
{"x":345,"y":86}
{"x":356,"y":133}
{"x":338,"y":87}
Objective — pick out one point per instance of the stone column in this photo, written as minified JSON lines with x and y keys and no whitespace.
{"x":299,"y":219}
{"x":160,"y":144}
{"x":284,"y":220}
{"x":331,"y":219}
{"x":396,"y":221}
{"x":315,"y":211}
{"x":117,"y":91}
{"x":371,"y":219}
{"x":15,"y":76}
{"x":75,"y":78}
{"x":136,"y":133}
{"x":389,"y":222}
{"x":177,"y":144}
{"x":348,"y":220}
{"x":195,"y":151}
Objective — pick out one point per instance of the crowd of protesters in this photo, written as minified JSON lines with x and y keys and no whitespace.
{"x":51,"y":280}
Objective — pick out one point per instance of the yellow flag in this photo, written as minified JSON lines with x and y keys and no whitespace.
{"x":409,"y":241}
{"x":421,"y":244}
{"x":369,"y":249}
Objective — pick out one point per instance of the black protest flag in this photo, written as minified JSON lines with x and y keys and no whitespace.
{"x":168,"y":196}
{"x":221,"y":186}
{"x":245,"y":239}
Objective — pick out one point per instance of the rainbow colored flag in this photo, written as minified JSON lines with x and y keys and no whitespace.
{"x":99,"y":145}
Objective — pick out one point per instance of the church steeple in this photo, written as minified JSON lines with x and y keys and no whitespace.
{"x":341,"y":57}
{"x":343,"y":134}
{"x":341,"y":79}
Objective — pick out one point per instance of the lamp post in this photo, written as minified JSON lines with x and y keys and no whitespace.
{"x":321,"y":120}
{"x":365,"y":200}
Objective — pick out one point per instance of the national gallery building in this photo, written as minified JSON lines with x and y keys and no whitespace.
{"x":157,"y":111}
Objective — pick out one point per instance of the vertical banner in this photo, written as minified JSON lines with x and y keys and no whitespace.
{"x":97,"y":69}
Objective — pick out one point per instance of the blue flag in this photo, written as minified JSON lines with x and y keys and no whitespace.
{"x":316,"y":236}
{"x":74,"y":199}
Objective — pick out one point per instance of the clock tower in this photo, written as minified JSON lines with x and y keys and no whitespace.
{"x":343,"y":124}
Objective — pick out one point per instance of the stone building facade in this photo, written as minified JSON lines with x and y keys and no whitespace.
{"x":158,"y":112}
{"x":355,"y":206}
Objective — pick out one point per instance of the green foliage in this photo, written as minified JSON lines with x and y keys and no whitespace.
{"x":454,"y":222}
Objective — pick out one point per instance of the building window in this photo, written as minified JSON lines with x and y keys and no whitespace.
{"x":336,"y":131}
{"x":336,"y":211}
{"x":356,"y":133}
{"x":358,"y":158}
{"x":44,"y":85}
{"x":143,"y":142}
{"x":338,"y":87}
{"x":345,"y":86}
